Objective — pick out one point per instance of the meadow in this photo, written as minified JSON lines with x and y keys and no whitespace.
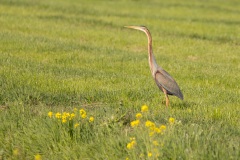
{"x":76,"y":84}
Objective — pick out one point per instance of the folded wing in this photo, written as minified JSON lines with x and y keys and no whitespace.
{"x":163,"y":79}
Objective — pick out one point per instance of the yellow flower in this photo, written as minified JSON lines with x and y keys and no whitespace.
{"x":64,"y":117}
{"x":72,"y":115}
{"x":76,"y":125}
{"x":162,"y":127}
{"x":144,"y":108}
{"x":83,"y":113}
{"x":131,"y":144}
{"x":138,"y":115}
{"x":127,"y":158}
{"x":50,"y":114}
{"x":150,"y":124}
{"x":91,"y":119}
{"x":58,"y":115}
{"x":16,"y":152}
{"x":83,"y":116}
{"x":149,"y":154}
{"x":65,"y":114}
{"x":171,"y":120}
{"x":135,"y":123}
{"x":152,"y":127}
{"x":157,"y":130}
{"x":37,"y":157}
{"x":155,"y":143}
{"x":64,"y":120}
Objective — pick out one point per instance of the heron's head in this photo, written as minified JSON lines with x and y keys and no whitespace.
{"x":141,"y":28}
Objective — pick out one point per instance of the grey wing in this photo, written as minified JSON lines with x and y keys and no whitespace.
{"x":163,"y":79}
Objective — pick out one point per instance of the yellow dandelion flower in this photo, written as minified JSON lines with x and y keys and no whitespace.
{"x":149,"y":124}
{"x":171,"y":120}
{"x":83,"y":113}
{"x":37,"y":157}
{"x":72,"y":115}
{"x":65,"y":114}
{"x":91,"y":119}
{"x":155,"y":143}
{"x":68,"y":115}
{"x":144,"y":108}
{"x":50,"y":114}
{"x":64,"y":117}
{"x":16,"y":152}
{"x":83,"y":116}
{"x":64,"y":120}
{"x":76,"y":125}
{"x":149,"y":154}
{"x":58,"y":115}
{"x":162,"y":127}
{"x":127,"y":158}
{"x":157,"y":130}
{"x":131,"y":144}
{"x":135,"y":123}
{"x":138,"y":115}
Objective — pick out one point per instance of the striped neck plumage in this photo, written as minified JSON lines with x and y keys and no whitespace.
{"x":151,"y":58}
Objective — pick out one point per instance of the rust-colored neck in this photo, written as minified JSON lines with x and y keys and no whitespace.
{"x":150,"y":50}
{"x":151,"y":58}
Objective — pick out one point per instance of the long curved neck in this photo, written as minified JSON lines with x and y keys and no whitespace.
{"x":151,"y":58}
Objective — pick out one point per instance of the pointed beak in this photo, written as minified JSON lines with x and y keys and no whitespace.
{"x":134,"y":27}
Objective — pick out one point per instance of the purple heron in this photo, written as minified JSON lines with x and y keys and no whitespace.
{"x":162,"y":78}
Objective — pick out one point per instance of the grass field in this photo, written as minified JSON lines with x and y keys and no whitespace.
{"x":73,"y":80}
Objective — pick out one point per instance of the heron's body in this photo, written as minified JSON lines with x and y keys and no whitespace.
{"x":162,"y":78}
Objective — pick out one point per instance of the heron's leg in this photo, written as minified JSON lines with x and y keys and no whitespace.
{"x":167,"y":100}
{"x":166,"y":96}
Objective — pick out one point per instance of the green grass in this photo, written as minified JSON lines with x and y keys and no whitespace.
{"x":58,"y":55}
